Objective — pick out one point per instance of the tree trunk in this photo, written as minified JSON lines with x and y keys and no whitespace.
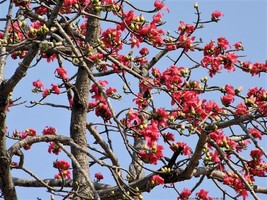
{"x":79,"y":115}
{"x":6,"y":183}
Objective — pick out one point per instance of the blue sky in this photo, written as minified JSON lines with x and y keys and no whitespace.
{"x":243,"y":21}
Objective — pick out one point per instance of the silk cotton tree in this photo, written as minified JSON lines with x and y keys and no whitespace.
{"x":102,"y":53}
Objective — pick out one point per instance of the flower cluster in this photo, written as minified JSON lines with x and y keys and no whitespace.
{"x":257,"y":97}
{"x":234,"y":181}
{"x":257,"y":167}
{"x":254,"y":68}
{"x":39,"y":87}
{"x":216,"y":57}
{"x":112,"y":39}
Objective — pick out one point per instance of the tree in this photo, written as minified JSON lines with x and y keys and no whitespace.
{"x":171,"y":124}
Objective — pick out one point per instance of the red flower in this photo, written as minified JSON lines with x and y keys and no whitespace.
{"x":161,"y":116}
{"x":62,"y":73}
{"x":187,"y":42}
{"x":49,"y":131}
{"x":110,"y":91}
{"x":40,"y":10}
{"x":157,"y":18}
{"x":184,"y":194}
{"x":46,"y":92}
{"x":216,"y":15}
{"x":157,"y":180}
{"x":99,"y":176}
{"x":227,"y":99}
{"x":151,"y":133}
{"x":238,"y":46}
{"x":22,"y":3}
{"x":151,"y":155}
{"x":133,"y":116}
{"x":256,"y":154}
{"x":229,"y":60}
{"x":63,"y":174}
{"x":30,"y":132}
{"x":168,"y":136}
{"x":38,"y":84}
{"x":144,"y":51}
{"x":112,"y":38}
{"x":140,"y":101}
{"x":186,"y":149}
{"x":54,"y":148}
{"x":203,"y":194}
{"x":229,"y":89}
{"x":156,"y":73}
{"x":159,"y":5}
{"x":186,"y":28}
{"x":241,"y":109}
{"x":103,"y":111}
{"x":255,"y":133}
{"x":61,"y":164}
{"x":223,"y":43}
{"x":55,"y":88}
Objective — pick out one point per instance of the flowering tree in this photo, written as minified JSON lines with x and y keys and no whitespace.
{"x":102,"y":52}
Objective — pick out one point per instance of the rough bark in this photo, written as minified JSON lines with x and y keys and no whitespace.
{"x":79,"y":115}
{"x":6,"y":183}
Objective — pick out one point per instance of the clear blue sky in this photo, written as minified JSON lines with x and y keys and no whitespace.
{"x":243,"y":21}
